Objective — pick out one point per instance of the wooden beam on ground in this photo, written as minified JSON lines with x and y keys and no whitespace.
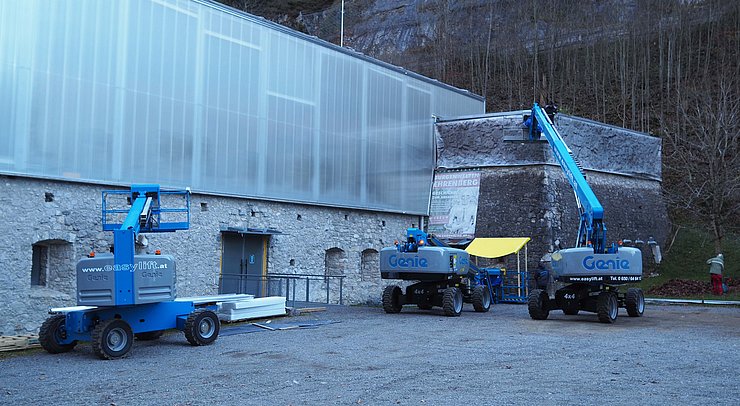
{"x":14,"y":343}
{"x":311,"y":309}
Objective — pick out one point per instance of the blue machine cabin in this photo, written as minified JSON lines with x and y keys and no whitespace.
{"x":154,"y":278}
{"x":426,"y":263}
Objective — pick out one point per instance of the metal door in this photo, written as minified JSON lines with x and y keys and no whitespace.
{"x":253,"y":253}
{"x":242,"y":262}
{"x":231,"y":257}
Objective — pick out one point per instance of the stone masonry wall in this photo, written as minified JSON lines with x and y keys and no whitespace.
{"x":510,"y":205}
{"x":480,"y":142}
{"x":69,"y":223}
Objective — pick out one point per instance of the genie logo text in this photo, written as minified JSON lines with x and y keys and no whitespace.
{"x":605,"y":265}
{"x":415,"y":262}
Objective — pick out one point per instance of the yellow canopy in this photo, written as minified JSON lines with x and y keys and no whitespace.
{"x":496,"y":247}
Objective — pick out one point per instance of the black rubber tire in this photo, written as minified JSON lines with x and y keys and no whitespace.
{"x":635,"y":302}
{"x":149,"y":335}
{"x":52,"y":331}
{"x":202,"y":327}
{"x":112,"y":339}
{"x":391,"y":294}
{"x":607,"y":307}
{"x":481,"y":299}
{"x":452,"y":302}
{"x":537,"y":304}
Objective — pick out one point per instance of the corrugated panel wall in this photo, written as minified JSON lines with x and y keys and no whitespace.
{"x":188,"y":93}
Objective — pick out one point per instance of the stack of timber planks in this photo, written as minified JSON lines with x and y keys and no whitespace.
{"x":13,"y":343}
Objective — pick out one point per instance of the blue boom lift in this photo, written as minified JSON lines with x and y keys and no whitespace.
{"x":446,"y":277}
{"x":588,"y":275}
{"x":122,"y":295}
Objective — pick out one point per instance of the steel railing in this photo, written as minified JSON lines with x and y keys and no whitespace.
{"x":294,"y":287}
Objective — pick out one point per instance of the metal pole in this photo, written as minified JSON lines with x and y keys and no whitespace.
{"x":341,"y":280}
{"x":307,"y":279}
{"x":526,"y":270}
{"x":293,"y":302}
{"x":341,"y":30}
{"x":518,"y":275}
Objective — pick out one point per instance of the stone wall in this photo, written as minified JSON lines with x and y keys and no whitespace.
{"x":524,"y":193}
{"x":65,"y":218}
{"x":480,"y":142}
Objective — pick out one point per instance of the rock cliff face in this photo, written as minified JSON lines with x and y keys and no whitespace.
{"x":406,"y":31}
{"x":376,"y":28}
{"x":524,"y":193}
{"x":403,"y":32}
{"x":416,"y":34}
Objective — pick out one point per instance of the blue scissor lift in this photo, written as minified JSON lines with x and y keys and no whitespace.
{"x":123,"y":295}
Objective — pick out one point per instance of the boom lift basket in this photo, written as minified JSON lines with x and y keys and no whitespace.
{"x":169,"y":210}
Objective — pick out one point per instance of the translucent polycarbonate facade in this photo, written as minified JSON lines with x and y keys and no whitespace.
{"x":190,"y":93}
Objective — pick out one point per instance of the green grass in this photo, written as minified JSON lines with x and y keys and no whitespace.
{"x":686,"y":259}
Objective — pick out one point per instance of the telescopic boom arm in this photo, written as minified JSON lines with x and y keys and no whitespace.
{"x":592,"y":230}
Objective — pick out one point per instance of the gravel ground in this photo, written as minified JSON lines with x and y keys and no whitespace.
{"x":672,"y":355}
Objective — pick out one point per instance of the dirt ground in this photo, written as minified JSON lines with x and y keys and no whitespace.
{"x":672,"y":355}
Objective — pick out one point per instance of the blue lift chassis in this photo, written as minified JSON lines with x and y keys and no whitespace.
{"x":111,"y":330}
{"x":122,"y":296}
{"x":445,"y":276}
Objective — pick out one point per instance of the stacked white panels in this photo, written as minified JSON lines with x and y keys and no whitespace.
{"x":252,"y":308}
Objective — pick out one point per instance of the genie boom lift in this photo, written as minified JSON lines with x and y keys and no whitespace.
{"x":122,"y":295}
{"x":589,"y":275}
{"x":445,"y":276}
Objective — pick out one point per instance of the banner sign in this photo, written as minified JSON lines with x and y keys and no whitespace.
{"x":454,"y":205}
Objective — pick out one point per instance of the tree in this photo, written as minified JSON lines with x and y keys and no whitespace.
{"x":702,"y":157}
